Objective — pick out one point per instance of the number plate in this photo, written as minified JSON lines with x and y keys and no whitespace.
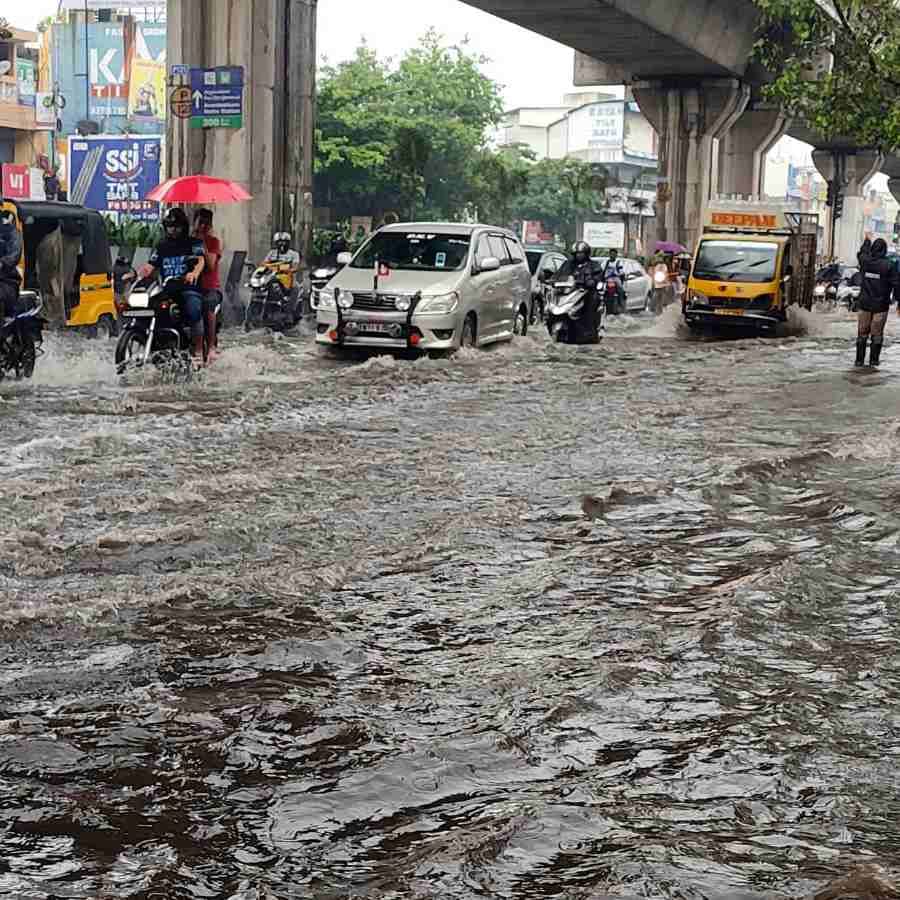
{"x":728,"y":312}
{"x":137,"y":313}
{"x":374,"y":327}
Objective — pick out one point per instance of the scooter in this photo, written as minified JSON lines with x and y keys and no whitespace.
{"x":566,"y":310}
{"x":271,"y":302}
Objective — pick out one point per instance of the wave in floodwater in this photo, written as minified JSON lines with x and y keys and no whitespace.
{"x":529,"y":621}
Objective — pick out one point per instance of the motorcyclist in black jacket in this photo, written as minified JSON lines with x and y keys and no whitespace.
{"x":10,"y":254}
{"x":880,"y":286}
{"x":582,"y":269}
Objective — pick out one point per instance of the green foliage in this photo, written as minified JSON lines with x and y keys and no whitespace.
{"x":498,"y":181}
{"x":129,"y":233}
{"x":402,"y":137}
{"x":860,"y":97}
{"x":562,"y":193}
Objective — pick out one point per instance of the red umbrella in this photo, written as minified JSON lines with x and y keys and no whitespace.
{"x":200,"y":189}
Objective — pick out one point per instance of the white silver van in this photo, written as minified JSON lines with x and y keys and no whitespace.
{"x":428,"y":286}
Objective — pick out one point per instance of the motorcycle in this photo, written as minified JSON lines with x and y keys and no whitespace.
{"x":848,"y":293}
{"x":271,"y":303}
{"x":566,"y":309}
{"x":826,"y":292}
{"x":154,"y":330}
{"x":21,"y":336}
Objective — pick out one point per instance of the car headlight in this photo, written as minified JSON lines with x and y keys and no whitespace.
{"x":345,"y":300}
{"x":440,"y":304}
{"x":326,"y":299}
{"x":402,"y":303}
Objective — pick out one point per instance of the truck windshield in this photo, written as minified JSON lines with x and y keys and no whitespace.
{"x":736,"y":261}
{"x":420,"y":250}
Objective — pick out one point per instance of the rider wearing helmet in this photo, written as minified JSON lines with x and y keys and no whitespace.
{"x":615,"y":271}
{"x":10,"y":254}
{"x":281,"y":252}
{"x":581,"y":268}
{"x":170,"y":260}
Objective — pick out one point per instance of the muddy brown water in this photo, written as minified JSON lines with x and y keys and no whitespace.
{"x":322,"y":629}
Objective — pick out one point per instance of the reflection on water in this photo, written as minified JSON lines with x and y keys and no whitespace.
{"x":312,"y":628}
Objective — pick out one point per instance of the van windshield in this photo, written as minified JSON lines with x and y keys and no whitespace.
{"x":418,"y":250}
{"x":752,"y":261}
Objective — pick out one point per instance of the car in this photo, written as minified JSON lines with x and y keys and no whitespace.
{"x":637,"y":283}
{"x":430,"y":286}
{"x":540,"y":259}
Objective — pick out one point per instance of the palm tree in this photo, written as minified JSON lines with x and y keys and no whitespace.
{"x":640,"y":205}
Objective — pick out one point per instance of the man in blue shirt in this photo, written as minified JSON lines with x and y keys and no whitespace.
{"x":170,"y":260}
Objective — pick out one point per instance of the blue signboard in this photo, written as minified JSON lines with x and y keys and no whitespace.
{"x":217,"y":97}
{"x":115,"y":174}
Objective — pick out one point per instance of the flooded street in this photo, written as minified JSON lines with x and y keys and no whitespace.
{"x":529,"y":622}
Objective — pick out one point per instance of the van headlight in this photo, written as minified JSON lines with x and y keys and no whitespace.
{"x":345,"y":300}
{"x":402,"y":303}
{"x":326,"y":299}
{"x":439,"y":305}
{"x":697,"y":297}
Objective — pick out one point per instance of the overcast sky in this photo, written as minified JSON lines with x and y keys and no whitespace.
{"x":534,"y":71}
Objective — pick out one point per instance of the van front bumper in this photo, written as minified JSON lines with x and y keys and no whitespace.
{"x":392,"y":331}
{"x":706,"y":315}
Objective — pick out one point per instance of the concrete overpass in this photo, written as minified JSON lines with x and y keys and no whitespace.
{"x":688,"y":63}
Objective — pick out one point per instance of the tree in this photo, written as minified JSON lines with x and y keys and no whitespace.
{"x":858,"y":97}
{"x":403,"y":136}
{"x":498,"y":179}
{"x":560,"y":193}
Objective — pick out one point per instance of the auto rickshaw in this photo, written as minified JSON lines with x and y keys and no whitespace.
{"x":65,"y":248}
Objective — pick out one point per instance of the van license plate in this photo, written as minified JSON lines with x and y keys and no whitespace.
{"x":728,"y":312}
{"x":374,"y":327}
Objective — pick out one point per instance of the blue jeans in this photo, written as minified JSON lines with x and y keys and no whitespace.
{"x":192,"y":305}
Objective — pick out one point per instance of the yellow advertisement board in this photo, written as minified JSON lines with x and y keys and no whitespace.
{"x":147,"y":93}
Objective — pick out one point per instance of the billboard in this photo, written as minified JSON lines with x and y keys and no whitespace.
{"x":26,"y":81}
{"x":22,"y":182}
{"x":115,"y":174}
{"x":598,"y":128}
{"x":605,"y":235}
{"x":147,"y":80}
{"x":108,"y":74}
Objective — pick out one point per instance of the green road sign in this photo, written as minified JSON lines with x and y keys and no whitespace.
{"x":217,"y":121}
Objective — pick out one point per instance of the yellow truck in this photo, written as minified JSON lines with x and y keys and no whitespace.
{"x":753,"y":261}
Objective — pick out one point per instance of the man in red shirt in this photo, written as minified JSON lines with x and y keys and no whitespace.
{"x":210,"y":280}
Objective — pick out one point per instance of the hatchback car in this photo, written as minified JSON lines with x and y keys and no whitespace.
{"x":428,"y":286}
{"x":637,"y":283}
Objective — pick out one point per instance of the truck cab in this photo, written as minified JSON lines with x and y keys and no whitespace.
{"x":752,"y":262}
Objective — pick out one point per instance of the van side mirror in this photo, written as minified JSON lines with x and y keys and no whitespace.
{"x":489,"y":264}
{"x":547,"y":275}
{"x":343,"y":259}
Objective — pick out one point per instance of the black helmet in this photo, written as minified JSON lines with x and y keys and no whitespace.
{"x":176,"y":218}
{"x":582,"y":251}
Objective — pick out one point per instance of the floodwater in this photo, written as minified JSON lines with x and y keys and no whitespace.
{"x":530,"y":622}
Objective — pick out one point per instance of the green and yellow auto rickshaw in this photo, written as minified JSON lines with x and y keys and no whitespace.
{"x":66,"y":258}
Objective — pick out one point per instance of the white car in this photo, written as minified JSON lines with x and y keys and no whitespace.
{"x":427,"y":286}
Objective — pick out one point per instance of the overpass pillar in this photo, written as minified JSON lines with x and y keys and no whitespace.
{"x":689,"y":118}
{"x":273,"y":40}
{"x":743,"y":150}
{"x":852,"y":169}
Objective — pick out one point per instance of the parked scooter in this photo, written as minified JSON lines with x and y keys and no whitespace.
{"x":566,"y":312}
{"x":21,"y":336}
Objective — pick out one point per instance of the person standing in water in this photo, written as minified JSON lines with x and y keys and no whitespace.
{"x":880,"y":286}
